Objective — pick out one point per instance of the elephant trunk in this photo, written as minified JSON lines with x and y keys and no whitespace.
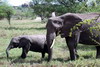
{"x":50,"y":39}
{"x":7,"y":50}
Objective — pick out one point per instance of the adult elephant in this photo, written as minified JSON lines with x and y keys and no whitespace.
{"x":62,"y":25}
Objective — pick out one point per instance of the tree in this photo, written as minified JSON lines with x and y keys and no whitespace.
{"x":1,"y":13}
{"x":59,"y":6}
{"x":6,"y":11}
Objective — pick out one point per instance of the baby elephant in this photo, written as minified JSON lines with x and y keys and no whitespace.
{"x":36,"y":43}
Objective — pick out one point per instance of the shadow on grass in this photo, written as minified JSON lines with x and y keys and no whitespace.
{"x":33,"y":61}
{"x":17,"y":28}
{"x":2,"y":58}
{"x":87,"y":57}
{"x":82,"y":47}
{"x":86,"y":47}
{"x":19,"y":60}
{"x":8,"y":59}
{"x":39,"y":61}
{"x":61,"y":59}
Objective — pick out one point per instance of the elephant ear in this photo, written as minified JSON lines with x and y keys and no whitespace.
{"x":23,"y":42}
{"x":70,"y":20}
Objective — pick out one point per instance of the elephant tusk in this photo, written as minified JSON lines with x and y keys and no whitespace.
{"x":52,"y":43}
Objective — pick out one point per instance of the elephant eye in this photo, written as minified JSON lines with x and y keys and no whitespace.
{"x":14,"y":44}
{"x":54,"y":21}
{"x":58,"y":22}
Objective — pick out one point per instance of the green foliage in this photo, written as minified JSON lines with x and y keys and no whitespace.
{"x":95,"y":26}
{"x":2,"y":14}
{"x":86,"y":9}
{"x":6,"y":11}
{"x":71,"y":5}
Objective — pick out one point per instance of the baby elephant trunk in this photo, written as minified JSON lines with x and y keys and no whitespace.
{"x":7,"y":50}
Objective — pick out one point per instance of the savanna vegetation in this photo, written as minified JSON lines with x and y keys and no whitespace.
{"x":60,"y":53}
{"x":20,"y":20}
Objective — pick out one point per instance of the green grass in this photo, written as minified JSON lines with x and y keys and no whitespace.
{"x":60,"y":52}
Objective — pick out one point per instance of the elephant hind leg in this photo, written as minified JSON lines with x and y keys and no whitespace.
{"x":43,"y":54}
{"x":98,"y":51}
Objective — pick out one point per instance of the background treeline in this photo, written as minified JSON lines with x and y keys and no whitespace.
{"x":44,"y":8}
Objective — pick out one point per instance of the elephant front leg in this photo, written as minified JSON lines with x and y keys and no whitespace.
{"x":98,"y":51}
{"x":71,"y":43}
{"x":24,"y":53}
{"x":49,"y":54}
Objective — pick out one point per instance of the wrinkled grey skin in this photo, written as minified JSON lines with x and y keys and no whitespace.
{"x":36,"y":43}
{"x":62,"y":25}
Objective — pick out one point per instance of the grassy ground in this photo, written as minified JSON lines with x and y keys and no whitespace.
{"x":60,"y":52}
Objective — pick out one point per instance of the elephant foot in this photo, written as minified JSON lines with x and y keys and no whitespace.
{"x":23,"y":56}
{"x":77,"y":56}
{"x":41,"y":60}
{"x":98,"y":56}
{"x":49,"y":58}
{"x":74,"y":57}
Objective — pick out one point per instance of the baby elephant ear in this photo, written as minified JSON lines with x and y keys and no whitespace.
{"x":24,"y":42}
{"x":21,"y":42}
